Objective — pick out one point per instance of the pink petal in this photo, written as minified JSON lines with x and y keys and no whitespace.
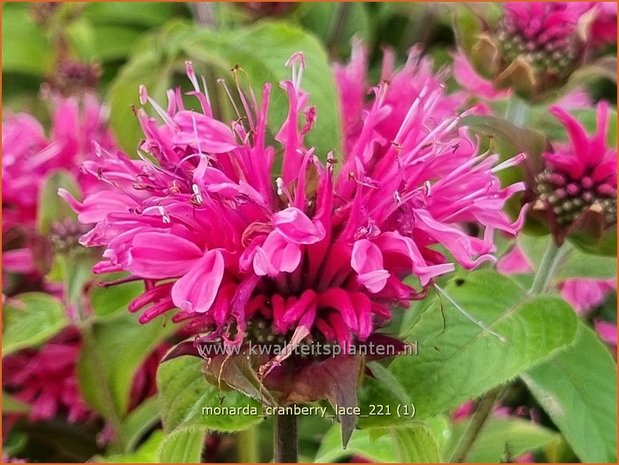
{"x":196,"y":291}
{"x":367,"y":261}
{"x":157,"y":255}
{"x":276,"y":255}
{"x":296,"y":227}
{"x":514,"y":262}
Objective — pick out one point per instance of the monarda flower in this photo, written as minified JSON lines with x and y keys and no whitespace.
{"x":45,"y":378}
{"x":314,"y":252}
{"x":577,"y":190}
{"x":536,"y":46}
{"x":30,"y":156}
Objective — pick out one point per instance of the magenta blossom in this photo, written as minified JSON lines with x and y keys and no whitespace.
{"x":46,"y":379}
{"x":579,"y":183}
{"x":607,"y":332}
{"x":315,"y":250}
{"x":29,"y":156}
{"x":535,"y":47}
{"x":545,"y":34}
{"x":602,"y":23}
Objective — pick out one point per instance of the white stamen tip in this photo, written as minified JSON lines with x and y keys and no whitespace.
{"x":143,"y":95}
{"x":197,"y":196}
{"x":279,"y":182}
{"x":164,"y":216}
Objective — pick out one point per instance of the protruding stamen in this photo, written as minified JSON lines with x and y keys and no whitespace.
{"x":479,"y":323}
{"x":197,"y":196}
{"x":143,"y":94}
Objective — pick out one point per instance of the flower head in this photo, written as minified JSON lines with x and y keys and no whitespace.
{"x":46,"y":379}
{"x":311,"y":252}
{"x":579,"y":182}
{"x":30,"y":156}
{"x":537,"y":45}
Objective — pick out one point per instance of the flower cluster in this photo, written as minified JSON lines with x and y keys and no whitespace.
{"x":323,"y":251}
{"x":536,"y":46}
{"x":579,"y":182}
{"x":46,"y":378}
{"x":29,"y":156}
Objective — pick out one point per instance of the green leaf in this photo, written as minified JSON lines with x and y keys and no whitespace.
{"x":183,"y":445}
{"x":137,"y":14}
{"x":349,"y":20}
{"x":578,"y":389}
{"x":108,"y":301}
{"x":575,"y":264}
{"x":380,"y":397}
{"x":52,"y":207}
{"x":503,"y":439}
{"x":139,"y":421}
{"x":31,"y":319}
{"x":467,"y":26}
{"x":413,"y":443}
{"x":262,"y":51}
{"x":111,"y":356}
{"x":510,"y":138}
{"x":147,"y":67}
{"x":11,"y":404}
{"x":183,"y":392}
{"x":458,"y":360}
{"x":146,"y":453}
{"x":24,"y":46}
{"x":582,"y":265}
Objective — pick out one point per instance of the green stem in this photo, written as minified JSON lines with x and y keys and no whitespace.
{"x":111,"y":413}
{"x":481,"y":415}
{"x":285,"y":441}
{"x":517,"y":111}
{"x":547,"y":267}
{"x":247,"y":443}
{"x":337,"y":26}
{"x":73,"y":297}
{"x":204,"y":13}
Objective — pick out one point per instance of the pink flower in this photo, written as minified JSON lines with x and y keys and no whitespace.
{"x":580,"y":178}
{"x":46,"y":379}
{"x":543,"y":26}
{"x":533,"y":50}
{"x":202,"y":221}
{"x":585,"y":294}
{"x":29,"y":157}
{"x":603,"y":23}
{"x":514,"y":262}
{"x":607,"y":332}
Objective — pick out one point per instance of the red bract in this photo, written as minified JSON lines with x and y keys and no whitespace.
{"x":202,"y":221}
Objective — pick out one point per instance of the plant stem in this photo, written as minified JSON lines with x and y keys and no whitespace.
{"x":247,"y":446}
{"x":517,"y":111}
{"x":203,"y":13}
{"x":477,"y":423}
{"x":285,"y":441}
{"x":337,"y":26}
{"x":547,"y":267}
